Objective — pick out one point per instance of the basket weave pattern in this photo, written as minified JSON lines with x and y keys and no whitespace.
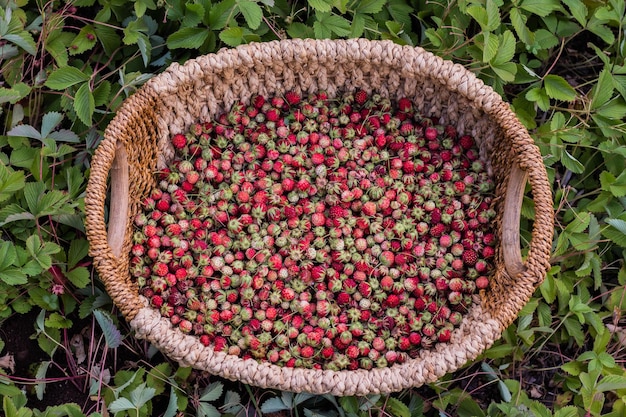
{"x":137,"y":143}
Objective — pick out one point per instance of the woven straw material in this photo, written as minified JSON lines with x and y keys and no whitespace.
{"x":204,"y":87}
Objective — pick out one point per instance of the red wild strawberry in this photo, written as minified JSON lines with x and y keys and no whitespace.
{"x":360,"y":97}
{"x":292,"y":97}
{"x":336,"y":212}
{"x":466,"y":142}
{"x":160,"y":269}
{"x":404,"y":104}
{"x":392,"y":300}
{"x":443,"y":335}
{"x":482,"y":282}
{"x":179,"y":141}
{"x":469,"y":257}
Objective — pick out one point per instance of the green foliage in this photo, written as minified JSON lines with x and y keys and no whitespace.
{"x":65,"y":69}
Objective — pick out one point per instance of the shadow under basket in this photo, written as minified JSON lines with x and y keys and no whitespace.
{"x":137,"y":143}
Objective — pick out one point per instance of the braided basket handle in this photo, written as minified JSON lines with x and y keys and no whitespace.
{"x":511,"y":250}
{"x":120,"y":188}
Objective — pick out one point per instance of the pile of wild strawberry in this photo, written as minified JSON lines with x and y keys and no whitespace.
{"x":335,"y":234}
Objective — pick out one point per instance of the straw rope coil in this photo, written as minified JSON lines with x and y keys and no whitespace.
{"x":137,"y":142}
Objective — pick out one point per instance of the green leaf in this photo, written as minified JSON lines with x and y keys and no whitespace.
{"x":401,"y":13}
{"x":252,"y":13}
{"x":273,"y":405}
{"x":506,"y":50}
{"x":79,"y":276}
{"x":540,"y":7}
{"x":232,"y":36}
{"x":490,"y":47}
{"x":569,"y":411}
{"x":558,"y":89}
{"x":191,"y":38}
{"x":506,"y":71}
{"x":321,"y":5}
{"x":518,"y":20}
{"x":10,"y":182}
{"x":121,"y":404}
{"x":134,"y":30}
{"x":396,"y":408}
{"x":370,"y":6}
{"x":578,"y":10}
{"x":14,"y":94}
{"x":109,"y":38}
{"x":328,"y":24}
{"x":613,"y":110}
{"x":57,"y":321}
{"x":220,"y":13}
{"x":349,"y":404}
{"x":13,"y":276}
{"x":112,"y":335}
{"x":141,"y":395}
{"x":207,"y":410}
{"x":84,"y":41}
{"x":571,"y":163}
{"x":22,"y":39}
{"x":300,"y":30}
{"x":212,"y":392}
{"x":84,"y":104}
{"x":539,"y":96}
{"x":611,"y":383}
{"x":65,"y":77}
{"x":603,"y":90}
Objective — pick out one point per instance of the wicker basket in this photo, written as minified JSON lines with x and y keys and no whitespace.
{"x":137,"y":143}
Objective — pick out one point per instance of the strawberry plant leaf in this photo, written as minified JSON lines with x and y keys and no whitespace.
{"x":370,"y":6}
{"x":611,"y":383}
{"x":121,"y":404}
{"x":571,"y":163}
{"x":207,"y":410}
{"x":85,"y":40}
{"x":321,"y":5}
{"x":603,"y":90}
{"x":232,"y":36}
{"x":578,"y":10}
{"x":613,"y":110}
{"x":300,"y":30}
{"x":506,"y":49}
{"x":252,"y":13}
{"x":10,"y":182}
{"x":506,"y":71}
{"x":328,"y":24}
{"x":518,"y":20}
{"x":112,"y":335}
{"x":49,"y":121}
{"x":539,"y":96}
{"x":40,"y":376}
{"x":189,"y":37}
{"x":23,"y":39}
{"x":25,"y":130}
{"x":490,"y":47}
{"x":79,"y":276}
{"x":540,"y":7}
{"x":220,"y":13}
{"x":396,"y":407}
{"x":401,"y":13}
{"x":273,"y":405}
{"x":65,"y":77}
{"x":568,"y":411}
{"x":84,"y":104}
{"x":141,"y":395}
{"x":558,"y":89}
{"x":212,"y":392}
{"x":14,"y":94}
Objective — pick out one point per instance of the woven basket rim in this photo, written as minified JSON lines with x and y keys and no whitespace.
{"x":452,"y":77}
